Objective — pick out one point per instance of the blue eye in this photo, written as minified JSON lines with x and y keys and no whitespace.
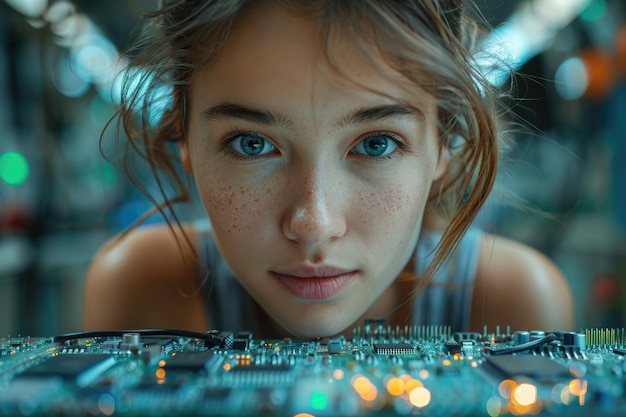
{"x":249,"y":144}
{"x":376,"y":145}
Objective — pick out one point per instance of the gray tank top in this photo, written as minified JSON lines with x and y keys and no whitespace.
{"x":447,"y":300}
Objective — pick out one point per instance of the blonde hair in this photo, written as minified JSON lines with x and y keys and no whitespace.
{"x":430,"y":42}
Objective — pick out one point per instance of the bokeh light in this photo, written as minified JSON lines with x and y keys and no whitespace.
{"x":14,"y":169}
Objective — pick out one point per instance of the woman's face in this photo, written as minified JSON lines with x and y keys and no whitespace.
{"x":315,"y":183}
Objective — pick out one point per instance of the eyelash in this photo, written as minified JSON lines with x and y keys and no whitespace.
{"x":397,"y":139}
{"x":229,"y":138}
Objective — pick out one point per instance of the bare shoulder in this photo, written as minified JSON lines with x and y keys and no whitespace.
{"x":517,"y":285}
{"x":147,"y":278}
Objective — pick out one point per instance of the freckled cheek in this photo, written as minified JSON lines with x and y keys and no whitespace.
{"x":394,"y":211}
{"x":237,"y":209}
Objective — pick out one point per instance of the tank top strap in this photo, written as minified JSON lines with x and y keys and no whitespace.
{"x":229,"y":305}
{"x":447,"y":299}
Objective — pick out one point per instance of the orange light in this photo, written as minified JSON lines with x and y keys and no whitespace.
{"x":524,"y":394}
{"x":364,"y":388}
{"x":395,"y":387}
{"x":162,"y":363}
{"x":160,"y":373}
{"x":506,"y":388}
{"x":227,"y":367}
{"x":420,"y":397}
{"x":338,"y":374}
{"x":411,"y":384}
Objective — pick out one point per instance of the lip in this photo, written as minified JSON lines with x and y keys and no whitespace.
{"x":314,"y":282}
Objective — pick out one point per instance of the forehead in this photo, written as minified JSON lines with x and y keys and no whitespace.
{"x":272,"y":49}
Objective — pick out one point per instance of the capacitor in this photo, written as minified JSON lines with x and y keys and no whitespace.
{"x":537,"y":334}
{"x":520,"y":337}
{"x":130,"y":339}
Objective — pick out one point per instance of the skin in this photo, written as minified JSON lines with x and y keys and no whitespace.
{"x":313,"y":198}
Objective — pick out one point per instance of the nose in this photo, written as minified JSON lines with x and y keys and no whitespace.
{"x":314,"y":214}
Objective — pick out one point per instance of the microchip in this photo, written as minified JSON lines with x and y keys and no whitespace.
{"x":190,"y":360}
{"x":334,"y":346}
{"x":394,"y":348}
{"x":536,"y":367}
{"x":240,"y":344}
{"x":78,"y":368}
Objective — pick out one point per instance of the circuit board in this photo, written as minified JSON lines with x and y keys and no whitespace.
{"x":416,"y":370}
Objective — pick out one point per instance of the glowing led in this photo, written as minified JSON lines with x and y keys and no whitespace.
{"x":13,"y":168}
{"x":318,"y":400}
{"x":446,"y":362}
{"x":410,"y":385}
{"x":364,"y":388}
{"x":160,"y":373}
{"x":420,"y":397}
{"x":162,"y":363}
{"x":395,"y":387}
{"x":506,"y":387}
{"x":578,"y":388}
{"x":227,"y":367}
{"x":524,"y":394}
{"x":424,"y":374}
{"x":338,"y":374}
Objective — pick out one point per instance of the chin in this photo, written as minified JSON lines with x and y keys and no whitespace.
{"x":316,"y":328}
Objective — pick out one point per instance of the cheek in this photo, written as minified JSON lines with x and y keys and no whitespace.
{"x":235,"y":208}
{"x":395,"y":211}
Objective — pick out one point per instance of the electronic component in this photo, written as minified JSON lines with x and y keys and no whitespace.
{"x":417,"y":370}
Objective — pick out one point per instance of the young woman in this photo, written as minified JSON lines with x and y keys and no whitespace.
{"x":341,"y":150}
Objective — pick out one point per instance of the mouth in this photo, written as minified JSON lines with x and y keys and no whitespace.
{"x":309,"y":283}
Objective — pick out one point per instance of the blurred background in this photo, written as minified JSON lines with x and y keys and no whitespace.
{"x":60,"y":199}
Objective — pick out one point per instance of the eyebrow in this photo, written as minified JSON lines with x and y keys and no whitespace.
{"x":381,"y":113}
{"x":361,"y":116}
{"x":238,"y":111}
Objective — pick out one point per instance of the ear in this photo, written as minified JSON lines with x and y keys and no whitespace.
{"x":183,"y":151}
{"x":442,"y":162}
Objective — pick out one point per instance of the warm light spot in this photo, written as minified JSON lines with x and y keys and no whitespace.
{"x":494,"y":406}
{"x":420,"y":397}
{"x":395,"y":387}
{"x":578,"y":387}
{"x":227,"y":367}
{"x":411,"y":384}
{"x":566,"y":397}
{"x":447,"y":362}
{"x":424,"y":374}
{"x":338,"y":374}
{"x":506,"y":388}
{"x":524,"y":394}
{"x":371,"y":394}
{"x":160,"y":373}
{"x":364,"y":388}
{"x":474,"y":364}
{"x":162,"y":363}
{"x":304,"y":415}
